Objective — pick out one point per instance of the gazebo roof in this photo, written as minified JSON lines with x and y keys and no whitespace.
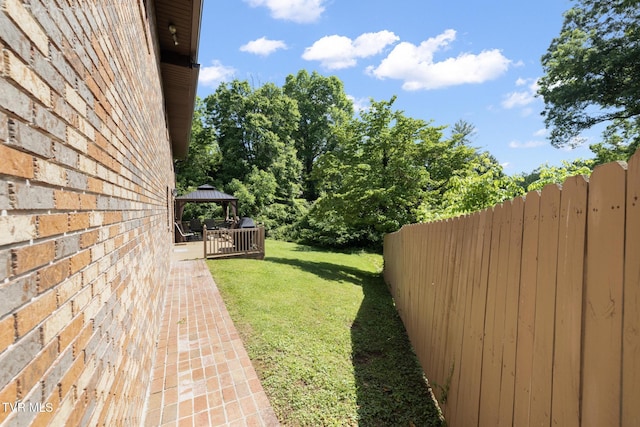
{"x":206,"y":193}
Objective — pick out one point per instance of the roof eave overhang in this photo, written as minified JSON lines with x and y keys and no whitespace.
{"x":180,"y":95}
{"x":179,"y":66}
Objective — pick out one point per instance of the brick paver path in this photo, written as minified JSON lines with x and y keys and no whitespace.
{"x":202,"y":375}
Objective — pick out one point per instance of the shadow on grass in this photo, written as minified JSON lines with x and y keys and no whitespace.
{"x":328,"y":271}
{"x":390,"y":386}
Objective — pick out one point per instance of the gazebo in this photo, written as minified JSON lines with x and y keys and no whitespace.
{"x":238,"y":239}
{"x":206,"y":194}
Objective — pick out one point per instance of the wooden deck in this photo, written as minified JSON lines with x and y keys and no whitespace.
{"x":239,"y":242}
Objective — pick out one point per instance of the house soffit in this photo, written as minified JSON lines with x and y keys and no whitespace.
{"x":178,"y":32}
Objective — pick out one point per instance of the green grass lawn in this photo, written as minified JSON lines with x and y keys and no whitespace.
{"x":325,"y":338}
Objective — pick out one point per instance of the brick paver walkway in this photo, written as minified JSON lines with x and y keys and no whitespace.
{"x":202,"y":375}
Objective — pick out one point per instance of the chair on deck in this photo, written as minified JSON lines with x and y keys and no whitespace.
{"x":185,"y":236}
{"x":195,"y":225}
{"x":211,"y":224}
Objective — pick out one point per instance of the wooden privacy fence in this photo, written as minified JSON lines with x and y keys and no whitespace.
{"x":528,"y":314}
{"x":238,"y":242}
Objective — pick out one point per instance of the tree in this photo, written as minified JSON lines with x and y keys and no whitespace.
{"x":481,"y":185}
{"x":449,"y":156}
{"x":203,"y":159}
{"x":375,"y":180}
{"x":558,"y":174}
{"x":620,"y":142}
{"x":592,"y":69}
{"x":256,"y":193}
{"x":253,"y":130}
{"x":462,"y":132}
{"x":323,"y":106}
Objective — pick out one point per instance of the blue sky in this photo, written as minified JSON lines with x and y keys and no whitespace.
{"x":445,"y":60}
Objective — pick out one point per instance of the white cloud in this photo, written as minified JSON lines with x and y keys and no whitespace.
{"x":369,"y":44}
{"x":517,"y":99}
{"x":521,"y":98}
{"x":359,"y":104}
{"x":540,"y":132}
{"x":215,"y":74}
{"x":337,"y":52}
{"x":263,"y":46}
{"x":527,"y":144}
{"x":301,"y":11}
{"x":415,"y":65}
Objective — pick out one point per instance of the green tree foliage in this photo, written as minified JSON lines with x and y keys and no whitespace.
{"x":592,"y":69}
{"x":448,"y":157}
{"x":200,"y":166}
{"x":620,"y":141}
{"x":462,"y":132}
{"x":257,"y":193}
{"x":323,"y":106}
{"x":481,"y":185}
{"x":379,"y":177}
{"x":203,"y":159}
{"x":557,"y":174}
{"x":254,"y":131}
{"x":254,"y":128}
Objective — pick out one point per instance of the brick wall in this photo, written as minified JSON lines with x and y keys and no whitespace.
{"x":85,"y":173}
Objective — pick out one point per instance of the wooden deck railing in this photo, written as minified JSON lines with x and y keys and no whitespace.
{"x":239,"y":242}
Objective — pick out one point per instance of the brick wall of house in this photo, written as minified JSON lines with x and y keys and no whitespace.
{"x":85,"y":230}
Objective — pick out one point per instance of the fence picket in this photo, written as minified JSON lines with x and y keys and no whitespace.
{"x":462,"y":317}
{"x":420,"y":255}
{"x":413,"y":258}
{"x":542,"y":364}
{"x":507,"y":383}
{"x":426,"y":297}
{"x":438,"y":297}
{"x":526,"y":310}
{"x":472,"y":341}
{"x":438,"y":245}
{"x":492,"y":350}
{"x":451,"y":311}
{"x":603,"y":297}
{"x":478,"y":314}
{"x":631,"y":320}
{"x":565,"y":409}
